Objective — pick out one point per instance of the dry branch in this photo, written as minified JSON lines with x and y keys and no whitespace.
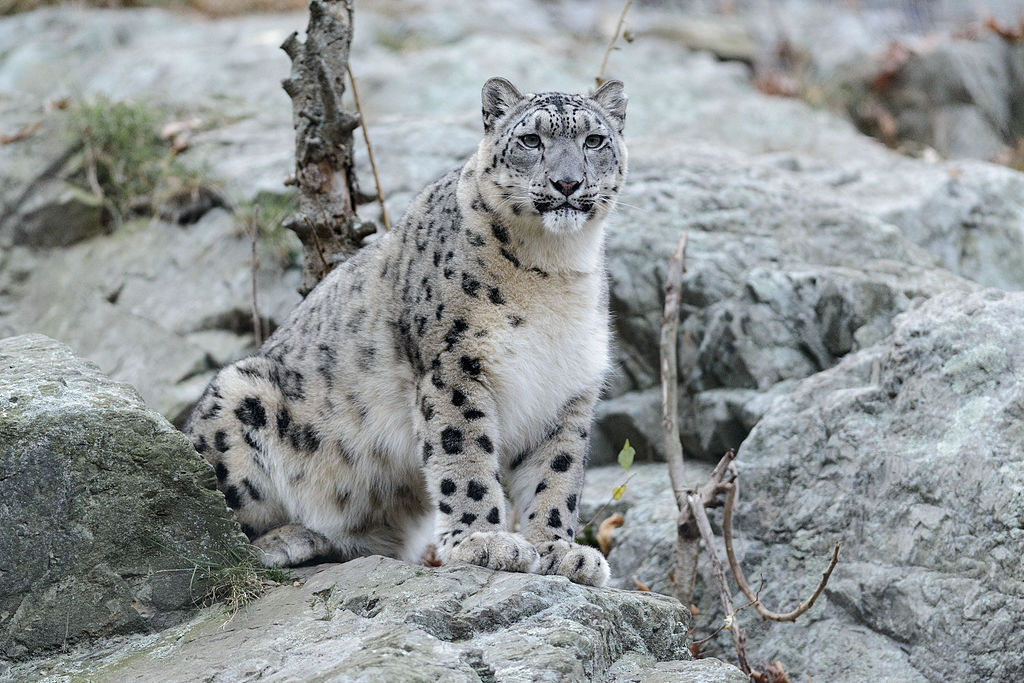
{"x":611,"y":43}
{"x":685,"y":561}
{"x":741,"y":581}
{"x":696,"y":506}
{"x":369,"y":152}
{"x":326,"y":220}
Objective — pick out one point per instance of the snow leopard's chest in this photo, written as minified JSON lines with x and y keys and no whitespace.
{"x":558,"y":351}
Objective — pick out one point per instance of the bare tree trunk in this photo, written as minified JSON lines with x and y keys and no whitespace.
{"x":326,"y":221}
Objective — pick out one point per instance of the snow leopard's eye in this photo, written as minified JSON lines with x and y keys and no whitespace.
{"x":530,"y":140}
{"x":593,"y":141}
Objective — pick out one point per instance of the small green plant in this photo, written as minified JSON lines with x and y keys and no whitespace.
{"x":125,"y":163}
{"x":625,"y":461}
{"x":587,"y":534}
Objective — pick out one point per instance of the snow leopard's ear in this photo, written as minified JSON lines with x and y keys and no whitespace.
{"x":499,"y":95}
{"x":612,"y":98}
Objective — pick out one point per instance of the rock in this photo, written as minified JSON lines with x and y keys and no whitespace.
{"x":57,"y":214}
{"x":636,"y":416}
{"x":955,"y":97}
{"x":761,"y":303}
{"x":380,"y":619}
{"x":631,"y":669}
{"x":158,"y":305}
{"x":909,"y":451}
{"x":37,"y":207}
{"x":103,"y":517}
{"x":968,"y":214}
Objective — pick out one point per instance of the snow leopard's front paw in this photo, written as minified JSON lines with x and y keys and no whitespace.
{"x":579,"y":563}
{"x":500,"y":550}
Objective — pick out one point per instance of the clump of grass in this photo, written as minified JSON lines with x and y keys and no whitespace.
{"x":236,"y":579}
{"x":126,"y":164}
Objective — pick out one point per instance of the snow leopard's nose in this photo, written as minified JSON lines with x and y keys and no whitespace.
{"x":566,"y":187}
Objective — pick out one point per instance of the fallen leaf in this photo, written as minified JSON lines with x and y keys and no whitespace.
{"x":57,"y":104}
{"x":1013,"y":34}
{"x":21,"y":134}
{"x":604,"y":532}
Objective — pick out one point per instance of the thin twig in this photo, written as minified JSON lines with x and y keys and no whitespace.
{"x":369,"y":150}
{"x":669,"y":378}
{"x":741,"y":581}
{"x":608,"y":51}
{"x":257,"y":328}
{"x":724,"y":625}
{"x":601,"y":509}
{"x":738,"y":639}
{"x":25,"y":132}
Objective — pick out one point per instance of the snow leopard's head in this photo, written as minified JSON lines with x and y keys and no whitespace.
{"x":555,"y":158}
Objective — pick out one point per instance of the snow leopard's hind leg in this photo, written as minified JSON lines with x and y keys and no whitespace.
{"x":232,"y":427}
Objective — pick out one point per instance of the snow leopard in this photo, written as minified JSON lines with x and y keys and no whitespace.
{"x":439,"y":386}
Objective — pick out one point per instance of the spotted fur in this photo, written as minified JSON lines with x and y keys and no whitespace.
{"x":461,"y":351}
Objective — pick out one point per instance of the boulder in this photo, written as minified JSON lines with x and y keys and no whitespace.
{"x":376,"y":618}
{"x":103,"y":513}
{"x":784,"y":278}
{"x":910,"y":452}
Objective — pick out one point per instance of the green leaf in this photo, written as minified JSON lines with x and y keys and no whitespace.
{"x":618,"y":491}
{"x":626,"y":456}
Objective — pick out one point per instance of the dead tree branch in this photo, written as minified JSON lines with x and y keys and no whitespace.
{"x":741,"y":581}
{"x":685,"y":571}
{"x":739,"y":641}
{"x":326,"y":220}
{"x":611,"y":43}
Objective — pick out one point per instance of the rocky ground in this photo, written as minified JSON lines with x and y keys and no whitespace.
{"x":836,"y":324}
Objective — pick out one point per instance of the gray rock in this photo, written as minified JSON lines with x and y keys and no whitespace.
{"x":381,"y":619}
{"x":762,"y":303}
{"x":37,"y":208}
{"x":634,"y":669}
{"x":635,"y":416}
{"x":102,"y":514}
{"x":156,"y":304}
{"x":908,"y":451}
{"x":955,"y":97}
{"x":56,"y":214}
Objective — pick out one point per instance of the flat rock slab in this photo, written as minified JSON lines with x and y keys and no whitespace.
{"x":378,"y":619}
{"x":102,"y":516}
